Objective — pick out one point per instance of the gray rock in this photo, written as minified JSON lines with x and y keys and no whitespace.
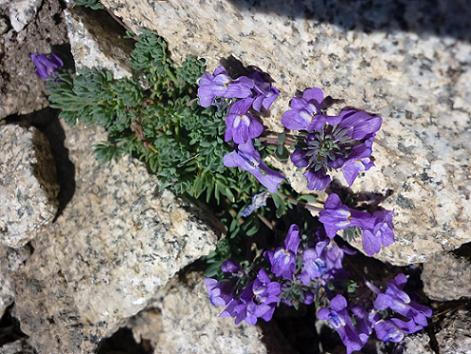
{"x":419,"y":83}
{"x":20,"y":12}
{"x":28,"y":187}
{"x":21,"y":91}
{"x":116,"y":243}
{"x":96,"y":41}
{"x":455,"y":335}
{"x":10,"y":262}
{"x":447,"y":277}
{"x":416,"y":344}
{"x":20,"y":346}
{"x":184,"y":321}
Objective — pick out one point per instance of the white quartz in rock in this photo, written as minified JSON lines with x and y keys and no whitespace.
{"x":28,"y":188}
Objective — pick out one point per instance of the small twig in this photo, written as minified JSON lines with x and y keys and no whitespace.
{"x":266,"y":222}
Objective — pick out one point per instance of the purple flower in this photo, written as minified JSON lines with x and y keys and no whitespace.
{"x":264,"y":93}
{"x":248,"y":159}
{"x":241,"y":126}
{"x":46,"y":65}
{"x":283,"y":260}
{"x":337,"y":216}
{"x":381,"y":234}
{"x":387,"y":330}
{"x":305,"y":113}
{"x":338,"y":317}
{"x":329,"y":143}
{"x":377,"y":229}
{"x":321,"y":262}
{"x":396,"y":299}
{"x":220,"y":293}
{"x":229,"y":266}
{"x":219,"y":84}
{"x":258,"y":300}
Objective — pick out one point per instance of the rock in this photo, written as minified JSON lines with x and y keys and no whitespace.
{"x":10,"y":261}
{"x":447,"y":277}
{"x":116,"y":243}
{"x":20,"y":12}
{"x":97,"y":41}
{"x":186,"y":322}
{"x":28,"y":187}
{"x":21,"y":91}
{"x":368,"y":54}
{"x":455,"y":336}
{"x":20,"y":346}
{"x":416,"y":344}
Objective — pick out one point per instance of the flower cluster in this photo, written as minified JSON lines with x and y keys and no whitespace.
{"x":376,"y":228}
{"x":303,"y":270}
{"x":249,"y":96}
{"x":309,"y":269}
{"x":325,"y":143}
{"x":46,"y":65}
{"x":291,"y":274}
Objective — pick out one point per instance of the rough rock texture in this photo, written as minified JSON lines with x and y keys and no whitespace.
{"x":20,"y":12}
{"x":28,"y":187}
{"x":455,"y":336}
{"x":398,"y":58}
{"x":115,"y":244}
{"x":21,"y":91}
{"x":10,"y":261}
{"x":416,"y":344}
{"x":96,"y":41}
{"x":186,"y":322}
{"x":447,"y":277}
{"x":21,"y":346}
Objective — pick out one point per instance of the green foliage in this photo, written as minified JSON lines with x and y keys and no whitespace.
{"x":155,"y":117}
{"x":91,"y":4}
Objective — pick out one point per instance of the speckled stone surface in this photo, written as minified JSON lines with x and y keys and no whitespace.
{"x":11,"y":260}
{"x":415,"y":73}
{"x":20,"y":12}
{"x":20,"y":346}
{"x":186,"y":322}
{"x":416,"y":344}
{"x":96,"y":42}
{"x":28,"y":189}
{"x":447,"y":277}
{"x":455,"y":335}
{"x":116,"y":243}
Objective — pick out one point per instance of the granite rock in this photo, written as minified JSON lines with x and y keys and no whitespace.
{"x":21,"y":91}
{"x":20,"y":12}
{"x":10,"y":261}
{"x":447,"y":277}
{"x":184,"y":321}
{"x":455,"y":335}
{"x":28,"y":187}
{"x":416,"y":344}
{"x":403,"y":60}
{"x":116,"y":243}
{"x":20,"y":346}
{"x":97,"y":41}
